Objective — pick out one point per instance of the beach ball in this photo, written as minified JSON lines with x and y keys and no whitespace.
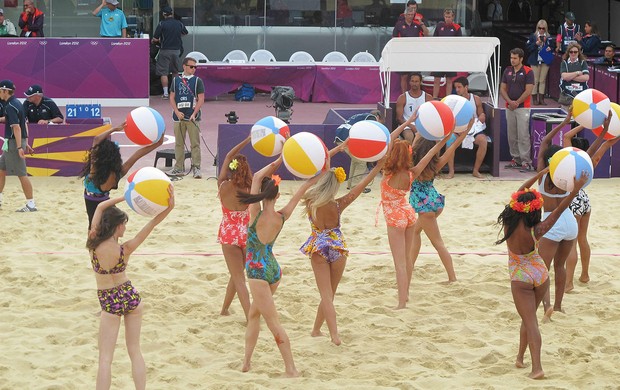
{"x":435,"y":120}
{"x":368,"y":140}
{"x":463,"y":110}
{"x":614,"y":124}
{"x":268,"y":135}
{"x":147,"y":191}
{"x":590,"y":108}
{"x":145,"y":126}
{"x":304,"y":155}
{"x":568,"y":163}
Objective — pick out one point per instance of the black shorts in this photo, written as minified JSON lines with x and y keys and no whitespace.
{"x":441,"y":74}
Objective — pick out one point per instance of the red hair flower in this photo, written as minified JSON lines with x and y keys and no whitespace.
{"x":526,"y":207}
{"x":276,"y":179}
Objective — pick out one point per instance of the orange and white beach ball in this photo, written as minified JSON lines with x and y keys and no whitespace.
{"x":368,"y":140}
{"x":435,"y":120}
{"x":145,"y":126}
{"x":463,"y":110}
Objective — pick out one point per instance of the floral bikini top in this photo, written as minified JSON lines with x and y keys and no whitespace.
{"x":117,"y":269}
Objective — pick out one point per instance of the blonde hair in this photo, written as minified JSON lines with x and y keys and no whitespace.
{"x":320,"y":194}
{"x":542,"y":23}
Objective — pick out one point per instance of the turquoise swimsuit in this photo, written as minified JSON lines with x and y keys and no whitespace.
{"x":260,"y":262}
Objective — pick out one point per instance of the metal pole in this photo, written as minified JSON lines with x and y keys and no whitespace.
{"x":194,"y":27}
{"x":265,"y":24}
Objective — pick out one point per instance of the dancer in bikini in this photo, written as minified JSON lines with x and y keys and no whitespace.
{"x":522,"y":229}
{"x":104,"y":168}
{"x":262,"y":268}
{"x":326,"y":246}
{"x":398,"y":174}
{"x":234,"y":176}
{"x":117,"y":297}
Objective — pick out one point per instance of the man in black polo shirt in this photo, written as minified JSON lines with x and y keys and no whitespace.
{"x":168,"y":34}
{"x":41,"y":109}
{"x":608,"y":58}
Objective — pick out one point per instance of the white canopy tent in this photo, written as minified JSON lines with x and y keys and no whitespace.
{"x":442,"y":54}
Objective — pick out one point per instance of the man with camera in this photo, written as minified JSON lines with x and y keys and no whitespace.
{"x":187,"y":95}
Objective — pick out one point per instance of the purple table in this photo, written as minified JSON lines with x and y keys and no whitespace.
{"x":78,"y":70}
{"x":223,"y":77}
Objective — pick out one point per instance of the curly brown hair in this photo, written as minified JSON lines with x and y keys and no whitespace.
{"x":241,"y":177}
{"x":399,"y":158}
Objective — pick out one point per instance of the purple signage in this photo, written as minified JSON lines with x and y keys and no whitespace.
{"x":78,"y":68}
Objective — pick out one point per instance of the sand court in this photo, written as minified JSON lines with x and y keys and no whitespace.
{"x":462,"y":335}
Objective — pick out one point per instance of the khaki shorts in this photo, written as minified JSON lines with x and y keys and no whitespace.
{"x":167,"y":62}
{"x":11,"y":162}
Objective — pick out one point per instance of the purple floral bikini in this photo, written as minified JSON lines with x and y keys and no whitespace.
{"x":119,"y":300}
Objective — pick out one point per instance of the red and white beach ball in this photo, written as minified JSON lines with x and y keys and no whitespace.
{"x":435,"y":120}
{"x":147,"y":191}
{"x":145,"y":126}
{"x":590,"y":108}
{"x":568,"y":164}
{"x":304,"y":155}
{"x":368,"y":140}
{"x":268,"y":135}
{"x":463,"y":110}
{"x":614,"y":124}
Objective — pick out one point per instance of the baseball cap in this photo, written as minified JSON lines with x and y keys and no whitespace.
{"x":113,"y":2}
{"x":34,"y":90}
{"x":570,"y":16}
{"x":1,"y":11}
{"x":7,"y":84}
{"x":166,"y":10}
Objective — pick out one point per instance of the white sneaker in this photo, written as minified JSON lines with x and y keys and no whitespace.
{"x":27,"y":209}
{"x":197,"y":173}
{"x":176,"y":172}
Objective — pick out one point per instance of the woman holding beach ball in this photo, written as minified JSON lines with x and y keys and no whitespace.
{"x":118,"y":298}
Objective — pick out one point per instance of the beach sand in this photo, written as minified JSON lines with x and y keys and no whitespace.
{"x":463,"y":335}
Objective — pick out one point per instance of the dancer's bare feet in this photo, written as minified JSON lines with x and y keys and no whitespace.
{"x":316,"y":333}
{"x":400,"y":307}
{"x":477,"y":174}
{"x":224,"y":312}
{"x":584,"y":278}
{"x":246,"y":366}
{"x":537,"y":374}
{"x":336,"y":340}
{"x":291,"y":374}
{"x":547,"y":316}
{"x":450,"y":175}
{"x":519,"y":362}
{"x":569,"y":287}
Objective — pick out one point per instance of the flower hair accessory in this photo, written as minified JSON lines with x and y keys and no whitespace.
{"x":233,"y":165}
{"x":340,"y":174}
{"x":276,"y":179}
{"x":526,"y":207}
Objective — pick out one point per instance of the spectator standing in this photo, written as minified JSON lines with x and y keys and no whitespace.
{"x":168,"y":34}
{"x":418,"y":17}
{"x":31,"y":21}
{"x":495,"y":11}
{"x":519,"y":11}
{"x":540,"y":45}
{"x":574,"y":74}
{"x":186,"y":98}
{"x":567,"y":32}
{"x":13,"y":160}
{"x":608,"y":58}
{"x":410,"y":25}
{"x":409,"y":102}
{"x":7,"y":28}
{"x":41,"y":109}
{"x":590,"y":42}
{"x":113,"y":21}
{"x":516,"y":88}
{"x":447,"y":28}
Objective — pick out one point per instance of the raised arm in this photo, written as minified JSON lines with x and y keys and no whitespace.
{"x":96,"y":10}
{"x":546,"y":141}
{"x":419,"y":167}
{"x":601,"y":151}
{"x":402,"y":127}
{"x":568,"y":136}
{"x":601,"y":137}
{"x":543,"y":227}
{"x":287,"y":210}
{"x":257,"y":180}
{"x":94,"y":226}
{"x":339,"y":148}
{"x":443,"y":160}
{"x":138,"y":154}
{"x":135,"y":242}
{"x":100,"y":137}
{"x":229,"y":157}
{"x":356,"y":191}
{"x":530,"y":182}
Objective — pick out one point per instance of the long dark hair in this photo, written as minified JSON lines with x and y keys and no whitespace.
{"x":268,"y":190}
{"x":111,"y":218}
{"x":420,"y":149}
{"x":105,"y":158}
{"x":509,"y":219}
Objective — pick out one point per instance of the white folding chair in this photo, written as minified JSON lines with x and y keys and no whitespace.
{"x":237,"y":56}
{"x":198,"y":56}
{"x":301,"y":57}
{"x":262,"y":55}
{"x":363,"y":56}
{"x":335,"y":56}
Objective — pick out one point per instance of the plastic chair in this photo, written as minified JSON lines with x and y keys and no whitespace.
{"x":363,"y":56}
{"x":335,"y":56}
{"x":262,"y":55}
{"x":302,"y":57}
{"x":198,"y":56}
{"x":237,"y":56}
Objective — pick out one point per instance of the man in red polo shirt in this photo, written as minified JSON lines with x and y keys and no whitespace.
{"x":516,"y":88}
{"x":411,"y":28}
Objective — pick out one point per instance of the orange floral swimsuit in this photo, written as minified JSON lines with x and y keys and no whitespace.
{"x":397,"y":210}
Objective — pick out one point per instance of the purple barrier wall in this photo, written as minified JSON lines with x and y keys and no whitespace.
{"x":606,"y":82}
{"x":224,"y":78}
{"x":348,"y":83}
{"x":78,"y":68}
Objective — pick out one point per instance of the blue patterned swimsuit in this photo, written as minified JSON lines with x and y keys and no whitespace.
{"x":329,"y":243}
{"x":260,"y":262}
{"x":424,"y":197}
